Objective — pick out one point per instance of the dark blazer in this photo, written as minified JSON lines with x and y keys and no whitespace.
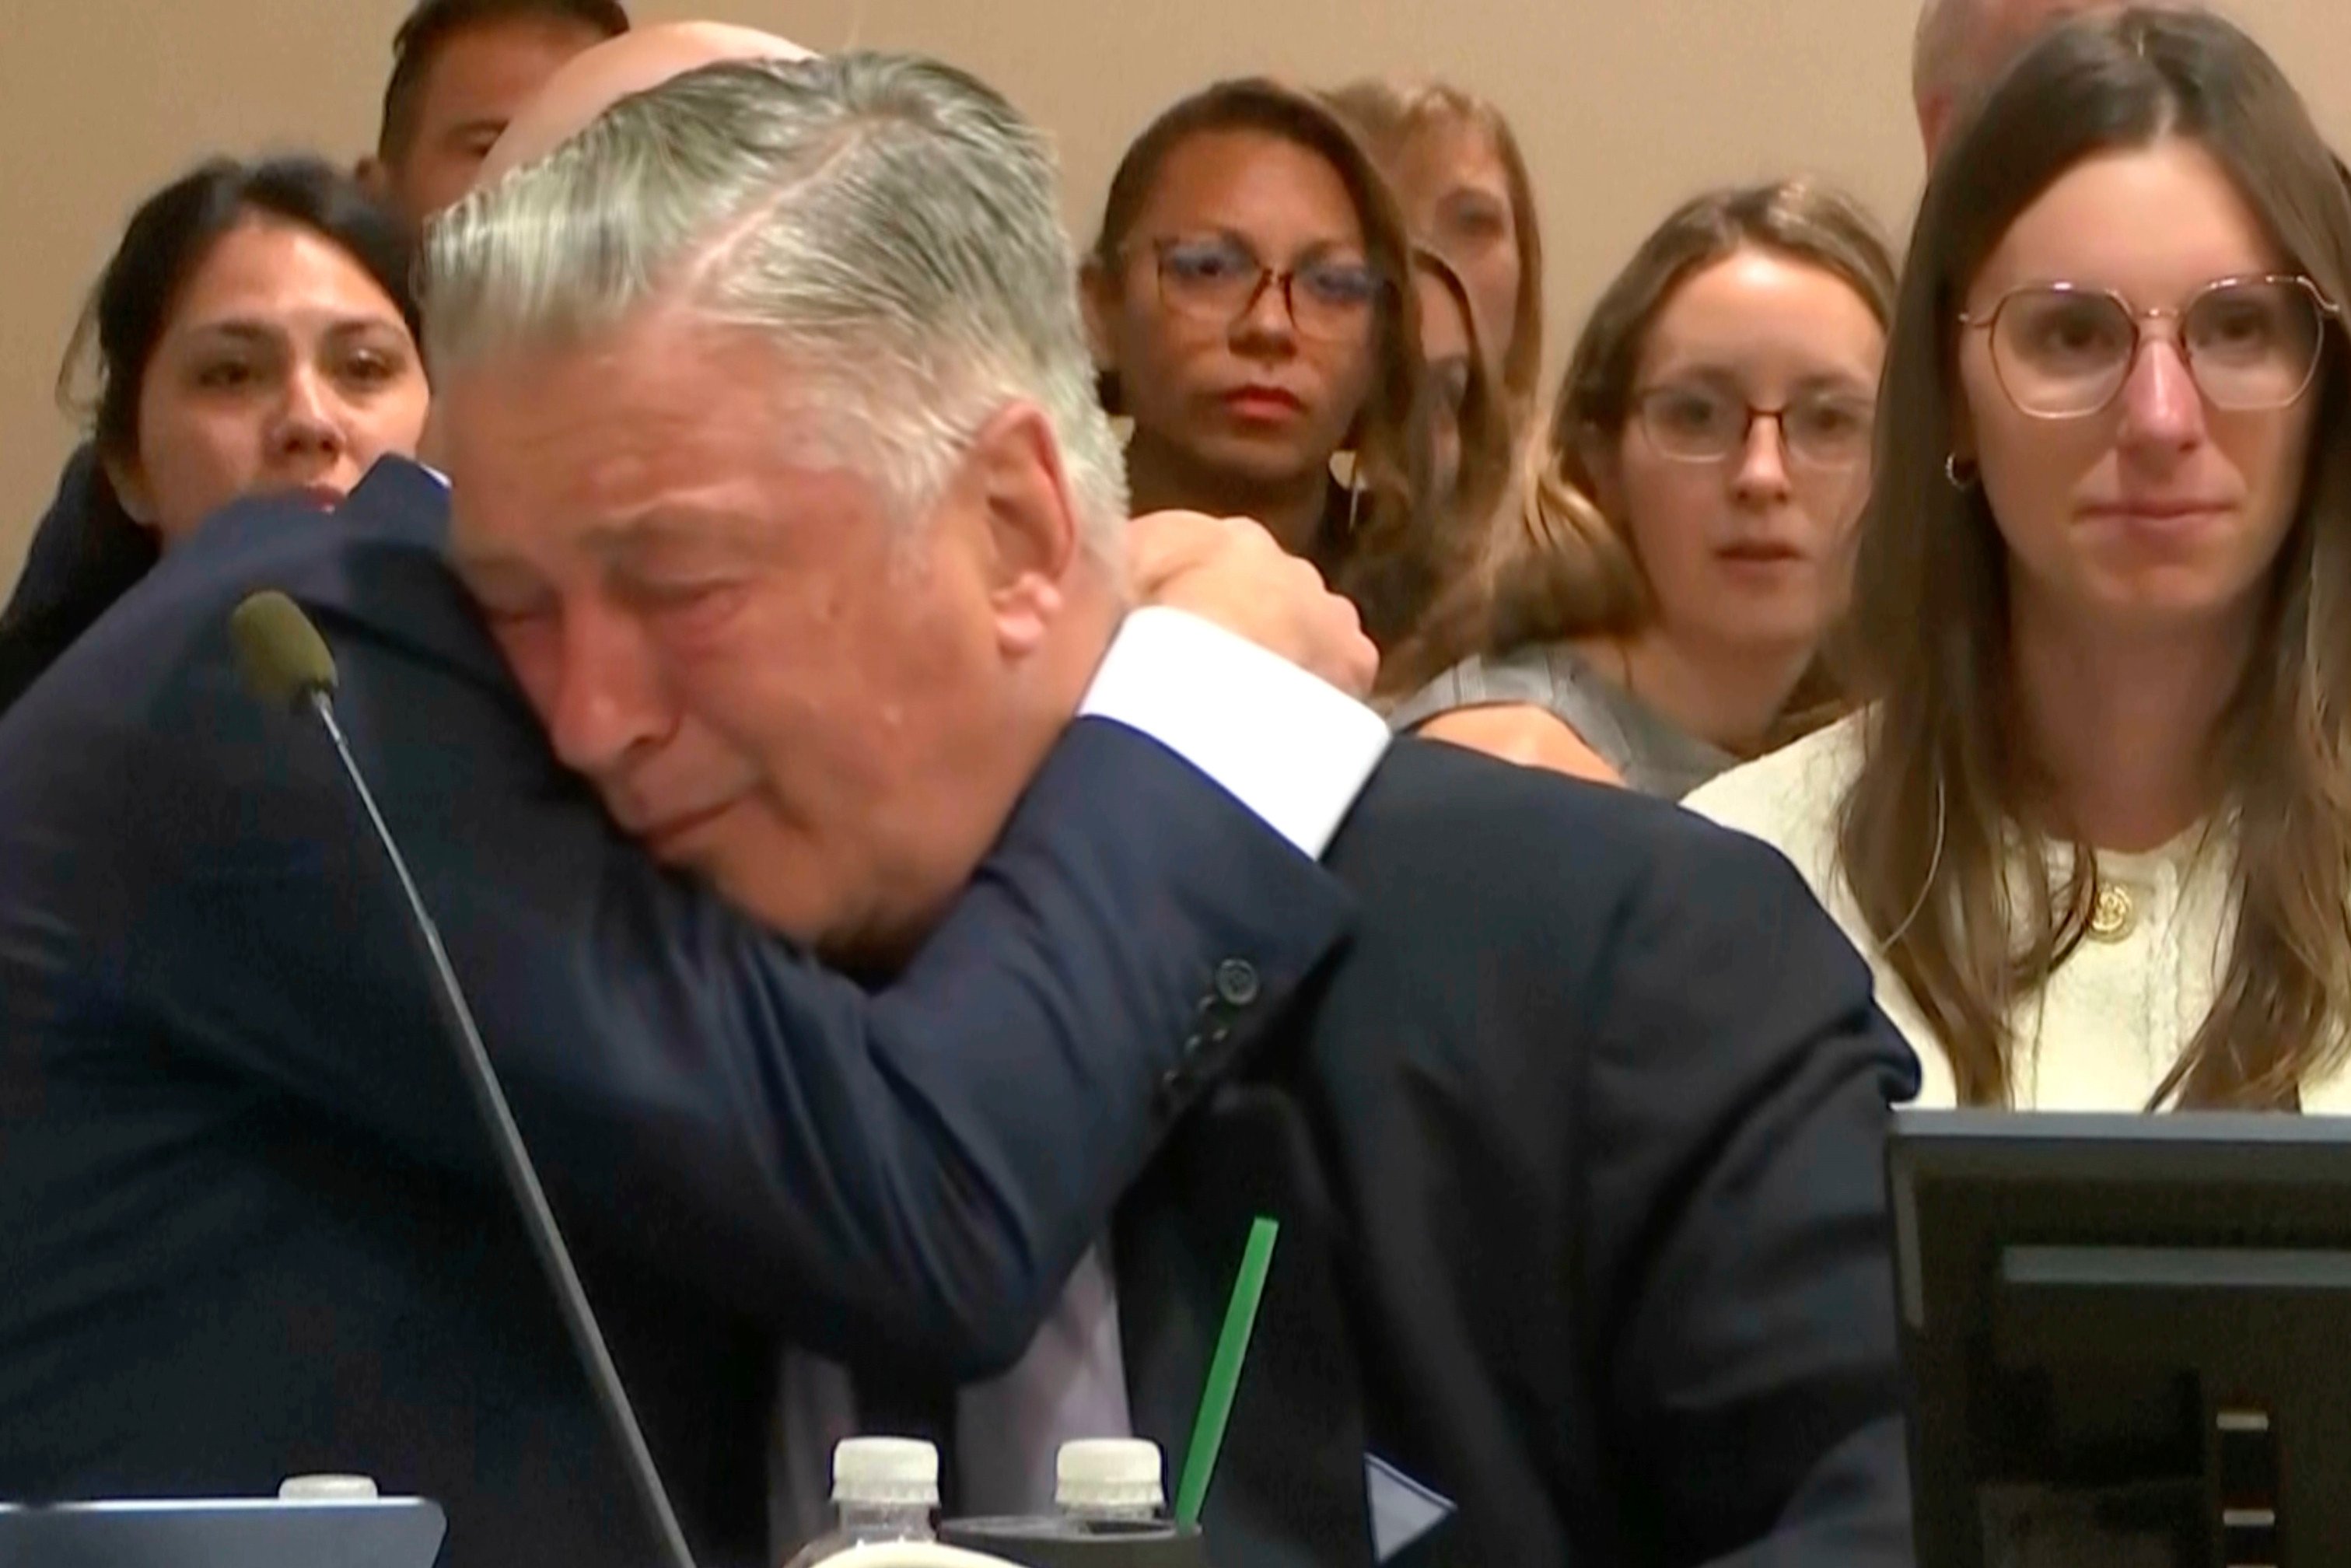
{"x":248,"y":1226}
{"x":1576,"y":1149}
{"x":86,"y":554}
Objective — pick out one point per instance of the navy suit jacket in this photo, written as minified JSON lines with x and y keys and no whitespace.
{"x":86,"y":554}
{"x":248,"y":1224}
{"x":1578,"y":1153}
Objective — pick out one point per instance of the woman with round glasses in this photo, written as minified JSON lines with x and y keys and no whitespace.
{"x":1251,"y":303}
{"x":1654,"y":608}
{"x":2094,"y":829}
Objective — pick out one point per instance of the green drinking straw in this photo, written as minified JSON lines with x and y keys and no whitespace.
{"x":1224,"y":1372}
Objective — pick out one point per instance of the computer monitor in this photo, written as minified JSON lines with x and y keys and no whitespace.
{"x":379,"y":1533}
{"x":2128,"y":1338}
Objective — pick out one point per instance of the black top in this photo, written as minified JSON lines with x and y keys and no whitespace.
{"x":86,"y":554}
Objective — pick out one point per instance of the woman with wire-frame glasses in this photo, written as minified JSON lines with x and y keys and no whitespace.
{"x":2094,"y":829}
{"x":1653,"y":605}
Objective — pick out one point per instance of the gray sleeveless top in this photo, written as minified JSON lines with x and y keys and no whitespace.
{"x":1655,"y":757}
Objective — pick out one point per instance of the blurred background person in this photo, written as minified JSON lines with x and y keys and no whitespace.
{"x":1682,"y":547}
{"x":2092,"y":829}
{"x":1466,"y":424}
{"x":253,"y":332}
{"x":1457,"y":170}
{"x":460,"y":70}
{"x":1466,"y":420}
{"x":1964,"y":44}
{"x":1251,"y":305}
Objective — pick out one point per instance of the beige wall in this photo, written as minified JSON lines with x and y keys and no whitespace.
{"x":1625,"y":106}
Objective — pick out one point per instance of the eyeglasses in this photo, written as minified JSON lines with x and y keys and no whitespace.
{"x":2062,"y":350}
{"x":1219,"y":281}
{"x":1706,"y":424}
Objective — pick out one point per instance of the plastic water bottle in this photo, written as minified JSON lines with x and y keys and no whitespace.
{"x":1109,"y":1481}
{"x":883,"y":1489}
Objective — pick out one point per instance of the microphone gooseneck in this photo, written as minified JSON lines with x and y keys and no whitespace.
{"x":286,"y":664}
{"x":281,"y":655}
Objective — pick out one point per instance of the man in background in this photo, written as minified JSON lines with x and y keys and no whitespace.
{"x":462,"y":69}
{"x":1963,"y":45}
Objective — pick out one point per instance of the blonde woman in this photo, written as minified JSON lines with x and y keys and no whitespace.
{"x":1458,"y":172}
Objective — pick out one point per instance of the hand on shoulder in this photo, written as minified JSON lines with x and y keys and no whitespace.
{"x":1229,"y":570}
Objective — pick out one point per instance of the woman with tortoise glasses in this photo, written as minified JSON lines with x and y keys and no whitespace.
{"x":1251,"y":305}
{"x":2091,"y":827}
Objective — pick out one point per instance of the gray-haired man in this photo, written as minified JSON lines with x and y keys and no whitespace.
{"x":779,"y":478}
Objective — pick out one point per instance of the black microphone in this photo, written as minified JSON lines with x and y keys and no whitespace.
{"x":285,"y":663}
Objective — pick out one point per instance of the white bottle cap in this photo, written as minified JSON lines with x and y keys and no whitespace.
{"x":885,"y":1472}
{"x":1108,"y":1472}
{"x":327,"y":1488}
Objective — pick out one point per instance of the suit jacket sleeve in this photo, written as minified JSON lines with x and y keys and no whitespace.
{"x":1738,"y":1248}
{"x":906,"y":1172}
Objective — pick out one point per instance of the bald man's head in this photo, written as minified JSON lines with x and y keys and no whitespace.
{"x":594,"y":81}
{"x":1964,"y":44}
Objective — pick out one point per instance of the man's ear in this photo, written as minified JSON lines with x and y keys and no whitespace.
{"x":1029,"y":539}
{"x":374,"y":178}
{"x":129,"y":484}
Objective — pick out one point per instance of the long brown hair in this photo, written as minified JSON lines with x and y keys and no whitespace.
{"x":1560,"y":568}
{"x":1488,"y":452}
{"x":1390,"y":113}
{"x":1457,"y":547}
{"x":1376,"y":558}
{"x":1944,"y":795}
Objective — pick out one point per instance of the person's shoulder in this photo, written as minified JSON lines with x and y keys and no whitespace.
{"x":1461,"y":817}
{"x":397,"y":510}
{"x":1523,"y":733}
{"x":1789,"y":798}
{"x":375,"y":567}
{"x":377,"y":561}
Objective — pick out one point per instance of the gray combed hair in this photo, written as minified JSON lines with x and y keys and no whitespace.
{"x":893,"y":223}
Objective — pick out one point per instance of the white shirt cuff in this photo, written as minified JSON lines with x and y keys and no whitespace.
{"x":1292,"y":748}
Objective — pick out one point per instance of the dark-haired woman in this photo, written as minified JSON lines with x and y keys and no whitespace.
{"x":1251,"y":301}
{"x":253,"y":332}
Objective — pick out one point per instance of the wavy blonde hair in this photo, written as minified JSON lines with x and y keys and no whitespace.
{"x":1388,"y":113}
